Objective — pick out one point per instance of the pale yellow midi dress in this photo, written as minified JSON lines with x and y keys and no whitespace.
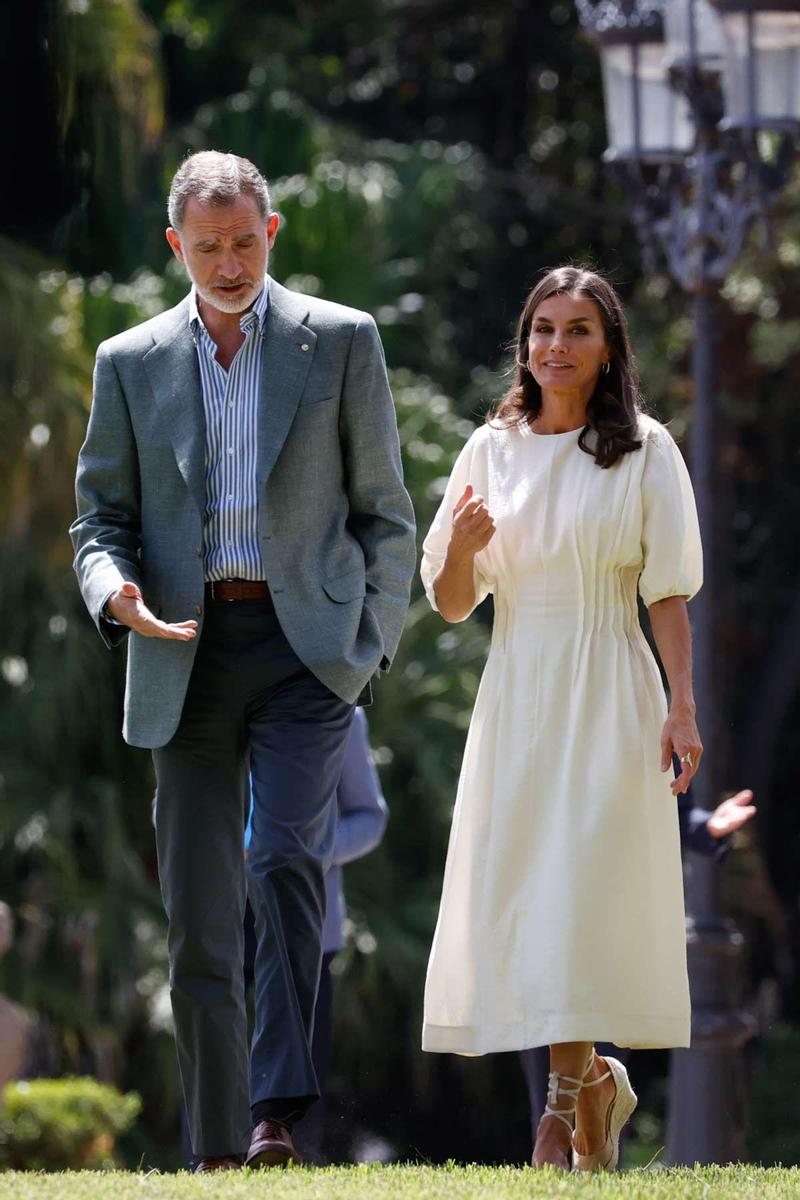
{"x":562,"y":913}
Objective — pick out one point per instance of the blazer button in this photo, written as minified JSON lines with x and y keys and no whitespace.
{"x":304,"y":346}
{"x":198,"y":608}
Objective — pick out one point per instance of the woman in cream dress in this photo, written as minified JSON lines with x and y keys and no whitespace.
{"x":562,"y":920}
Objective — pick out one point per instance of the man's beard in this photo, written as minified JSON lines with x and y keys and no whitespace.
{"x":228,"y":304}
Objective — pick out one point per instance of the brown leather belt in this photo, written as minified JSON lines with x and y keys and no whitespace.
{"x":237,"y":589}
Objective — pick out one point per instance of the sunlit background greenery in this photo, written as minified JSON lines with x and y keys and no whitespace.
{"x":428,"y":160}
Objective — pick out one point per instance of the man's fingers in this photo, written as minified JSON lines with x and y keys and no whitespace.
{"x":147,"y":624}
{"x":183,"y":632}
{"x":131,"y":608}
{"x":743,"y":798}
{"x":730,"y":817}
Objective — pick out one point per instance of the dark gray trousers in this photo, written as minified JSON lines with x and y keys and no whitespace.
{"x":250,"y":704}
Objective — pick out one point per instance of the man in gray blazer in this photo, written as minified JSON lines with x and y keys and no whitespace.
{"x":242,"y":521}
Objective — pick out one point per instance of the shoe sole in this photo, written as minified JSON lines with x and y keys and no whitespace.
{"x":271,"y":1158}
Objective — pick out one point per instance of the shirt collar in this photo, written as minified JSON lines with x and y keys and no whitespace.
{"x":259,"y":306}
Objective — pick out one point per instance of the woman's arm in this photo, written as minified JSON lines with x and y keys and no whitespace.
{"x":454,"y":584}
{"x":670,"y":623}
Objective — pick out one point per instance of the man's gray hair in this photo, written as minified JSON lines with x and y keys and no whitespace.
{"x":215,"y":178}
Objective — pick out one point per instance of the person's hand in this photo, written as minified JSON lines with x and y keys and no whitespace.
{"x":127,"y":606}
{"x":732,"y":814}
{"x":680,"y":736}
{"x":473,"y":527}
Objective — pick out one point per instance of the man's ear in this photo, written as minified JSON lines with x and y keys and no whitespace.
{"x":174,"y":239}
{"x":272,"y":229}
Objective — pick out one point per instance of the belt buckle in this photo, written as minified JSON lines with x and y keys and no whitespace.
{"x":222,"y":599}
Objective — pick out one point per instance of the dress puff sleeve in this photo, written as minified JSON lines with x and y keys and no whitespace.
{"x":671,"y":549}
{"x":470,"y":467}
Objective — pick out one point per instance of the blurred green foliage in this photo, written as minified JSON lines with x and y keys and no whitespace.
{"x":774,"y":1134}
{"x":63,"y":1124}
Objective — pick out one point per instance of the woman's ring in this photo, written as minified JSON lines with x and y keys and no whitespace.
{"x":687,"y":758}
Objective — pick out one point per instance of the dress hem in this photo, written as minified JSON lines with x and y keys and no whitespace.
{"x":637,"y":1033}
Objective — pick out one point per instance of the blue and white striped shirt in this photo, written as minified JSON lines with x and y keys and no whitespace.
{"x":231,"y":548}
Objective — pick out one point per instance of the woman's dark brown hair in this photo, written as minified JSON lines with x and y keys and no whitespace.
{"x":613,"y":410}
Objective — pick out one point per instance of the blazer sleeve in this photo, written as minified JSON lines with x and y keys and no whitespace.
{"x":106,"y":534}
{"x":671,"y":551}
{"x":470,"y":467}
{"x":381,"y":514}
{"x":362,"y":812}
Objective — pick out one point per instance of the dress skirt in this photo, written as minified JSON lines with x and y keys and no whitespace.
{"x":562,"y":914}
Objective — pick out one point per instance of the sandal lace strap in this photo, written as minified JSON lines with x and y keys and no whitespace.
{"x":555,"y":1088}
{"x":589,"y":1065}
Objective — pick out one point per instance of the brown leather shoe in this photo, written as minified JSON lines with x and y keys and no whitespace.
{"x":224,"y":1163}
{"x":271,"y":1146}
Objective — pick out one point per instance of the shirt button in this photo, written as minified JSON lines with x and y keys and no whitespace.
{"x":230,"y":449}
{"x":230,"y":495}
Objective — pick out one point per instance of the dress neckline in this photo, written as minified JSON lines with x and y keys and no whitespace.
{"x":527,"y":431}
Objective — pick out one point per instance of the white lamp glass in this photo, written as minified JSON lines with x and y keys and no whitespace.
{"x":776,"y":91}
{"x":708,"y":34}
{"x":665,"y":126}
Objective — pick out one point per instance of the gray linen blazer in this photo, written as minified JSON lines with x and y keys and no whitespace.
{"x":335,"y":521}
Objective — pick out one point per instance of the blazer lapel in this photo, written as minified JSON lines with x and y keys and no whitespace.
{"x":174,"y":376}
{"x":288,"y":348}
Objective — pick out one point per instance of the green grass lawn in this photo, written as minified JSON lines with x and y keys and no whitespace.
{"x":410,"y":1183}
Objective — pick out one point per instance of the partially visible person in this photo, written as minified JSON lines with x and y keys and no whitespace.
{"x":704,"y":832}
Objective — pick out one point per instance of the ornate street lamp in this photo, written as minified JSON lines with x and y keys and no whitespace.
{"x":647,"y":120}
{"x":761,"y":78}
{"x":703,"y":145}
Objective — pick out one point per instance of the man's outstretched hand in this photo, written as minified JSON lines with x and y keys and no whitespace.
{"x":732,"y":814}
{"x":127,"y":606}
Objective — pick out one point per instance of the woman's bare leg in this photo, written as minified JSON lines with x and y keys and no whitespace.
{"x":553,"y":1138}
{"x":593,"y":1102}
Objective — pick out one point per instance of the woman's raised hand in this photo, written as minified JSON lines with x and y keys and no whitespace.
{"x":473,"y":527}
